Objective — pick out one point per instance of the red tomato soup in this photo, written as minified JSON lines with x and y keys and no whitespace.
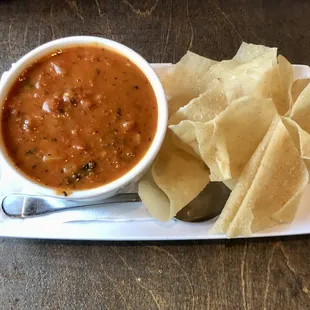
{"x":79,"y":118}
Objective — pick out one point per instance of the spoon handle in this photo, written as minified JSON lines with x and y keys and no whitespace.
{"x":23,"y":206}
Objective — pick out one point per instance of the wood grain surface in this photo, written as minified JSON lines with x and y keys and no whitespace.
{"x":238,"y":274}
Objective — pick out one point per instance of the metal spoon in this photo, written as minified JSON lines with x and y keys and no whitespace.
{"x":208,"y":204}
{"x":22,"y":206}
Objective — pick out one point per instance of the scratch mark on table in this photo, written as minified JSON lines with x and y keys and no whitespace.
{"x":268,"y":275}
{"x":306,"y":290}
{"x":228,"y":20}
{"x":208,"y":300}
{"x":154,"y":271}
{"x":98,"y":8}
{"x":138,"y":280}
{"x":122,"y":259}
{"x":287,"y":30}
{"x":292,"y":269}
{"x":108,"y":26}
{"x":173,"y":56}
{"x":73,"y":5}
{"x":245,"y":306}
{"x":175,"y":45}
{"x":168,"y":33}
{"x":191,"y":27}
{"x":39,"y":35}
{"x":203,"y":274}
{"x":51,"y":22}
{"x":93,"y":286}
{"x":9,"y":36}
{"x":249,"y":27}
{"x":114,"y":286}
{"x":138,"y":12}
{"x":287,"y":260}
{"x":26,"y":31}
{"x":102,"y":15}
{"x":181,"y":268}
{"x":111,"y":280}
{"x":200,"y":265}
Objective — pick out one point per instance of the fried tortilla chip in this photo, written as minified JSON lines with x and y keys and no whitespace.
{"x":231,"y":183}
{"x":269,"y":189}
{"x":247,"y":52}
{"x":249,"y":78}
{"x":297,"y":87}
{"x":250,"y":72}
{"x":226,"y":143}
{"x":267,"y":77}
{"x":281,"y":85}
{"x":155,"y":200}
{"x":186,"y":80}
{"x":176,"y":179}
{"x":195,"y":135}
{"x":263,"y":77}
{"x":300,"y":138}
{"x":301,"y":109}
{"x":203,"y":108}
{"x":243,"y":122}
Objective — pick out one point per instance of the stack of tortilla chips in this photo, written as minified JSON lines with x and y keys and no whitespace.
{"x":243,"y":122}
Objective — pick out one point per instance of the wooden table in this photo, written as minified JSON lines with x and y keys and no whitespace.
{"x":239,"y":274}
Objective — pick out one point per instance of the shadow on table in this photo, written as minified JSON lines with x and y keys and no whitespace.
{"x":226,"y":242}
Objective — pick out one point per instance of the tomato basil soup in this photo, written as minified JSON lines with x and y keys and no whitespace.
{"x":79,"y":118}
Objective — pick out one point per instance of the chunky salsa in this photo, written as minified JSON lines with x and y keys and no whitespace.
{"x":79,"y":118}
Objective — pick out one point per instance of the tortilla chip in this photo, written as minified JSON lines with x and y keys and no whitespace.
{"x":276,"y":80}
{"x":263,"y":77}
{"x":226,"y":143}
{"x":281,"y":85}
{"x":241,"y":76}
{"x":247,"y":52}
{"x":243,"y":122}
{"x":231,"y":183}
{"x":154,"y":198}
{"x":186,"y":80}
{"x":297,"y":87}
{"x":287,"y":213}
{"x":269,"y":189}
{"x":249,"y":78}
{"x":300,"y":137}
{"x":203,"y":108}
{"x":186,"y":134}
{"x":301,"y":110}
{"x":189,"y":84}
{"x":177,"y":178}
{"x":241,"y":188}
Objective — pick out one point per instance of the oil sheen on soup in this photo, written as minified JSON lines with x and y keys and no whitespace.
{"x":79,"y":118}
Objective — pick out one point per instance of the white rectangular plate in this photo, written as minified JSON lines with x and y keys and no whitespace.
{"x":132,"y":221}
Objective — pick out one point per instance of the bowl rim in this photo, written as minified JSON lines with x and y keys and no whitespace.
{"x":162,"y":120}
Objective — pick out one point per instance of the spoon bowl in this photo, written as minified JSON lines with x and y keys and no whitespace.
{"x":207,"y":205}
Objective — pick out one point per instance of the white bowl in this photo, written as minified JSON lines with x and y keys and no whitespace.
{"x":136,"y":172}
